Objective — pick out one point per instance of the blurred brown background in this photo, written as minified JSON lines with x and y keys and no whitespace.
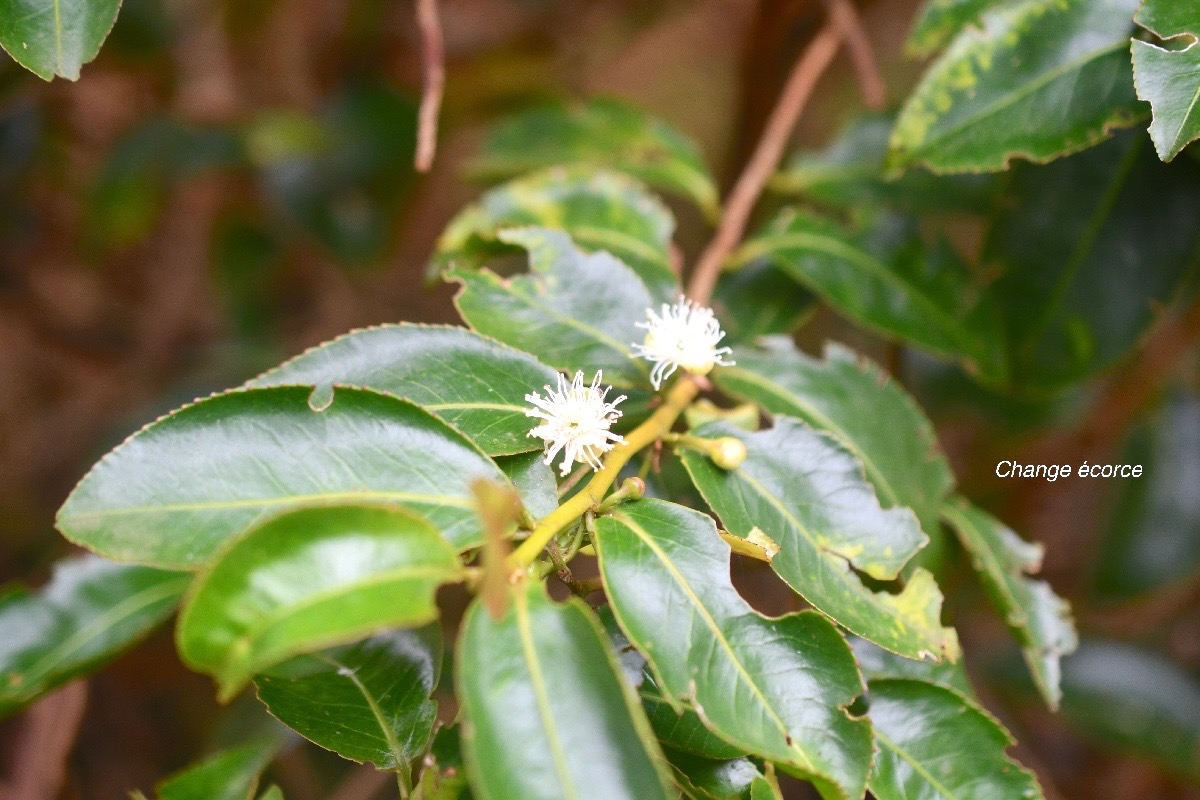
{"x":230,"y":183}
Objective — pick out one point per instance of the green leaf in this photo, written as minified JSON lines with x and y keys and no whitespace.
{"x":1169,"y":79}
{"x":934,"y":743}
{"x":272,"y":793}
{"x":1036,"y":80}
{"x":600,"y":133}
{"x":1090,"y":248}
{"x":1136,"y":701}
{"x":849,"y":173}
{"x":574,"y":311}
{"x":90,"y":611}
{"x":938,"y":21}
{"x":230,"y":775}
{"x":876,"y":664}
{"x":311,"y":579}
{"x":776,"y":687}
{"x":1040,"y":619}
{"x":762,"y":789}
{"x":862,"y":407}
{"x":534,"y":480}
{"x":1153,"y":540}
{"x":705,"y":779}
{"x":55,"y":37}
{"x":600,"y":210}
{"x":547,"y":715}
{"x":807,"y":493}
{"x":760,"y":299}
{"x":884,"y":277}
{"x":368,"y":702}
{"x":182,"y":486}
{"x":475,"y":384}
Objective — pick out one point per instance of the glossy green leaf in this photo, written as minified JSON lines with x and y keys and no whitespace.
{"x":311,"y":579}
{"x":849,"y":173}
{"x":1090,"y":248}
{"x":706,"y":779}
{"x":884,"y":277}
{"x":937,"y":21}
{"x":182,"y":486}
{"x":762,"y":789}
{"x":600,"y":210}
{"x":90,"y":611}
{"x":936,"y":745}
{"x":1040,"y":619}
{"x":807,"y":493}
{"x":229,"y":775}
{"x":534,"y":480}
{"x":546,"y":713}
{"x":1136,"y":701}
{"x":1036,"y":80}
{"x":776,"y":687}
{"x":600,"y":133}
{"x":1153,"y":540}
{"x":760,"y":299}
{"x":862,"y":407}
{"x":368,"y":702}
{"x":876,"y":664}
{"x":475,"y":384}
{"x":55,"y":37}
{"x":574,"y":311}
{"x":1169,"y":79}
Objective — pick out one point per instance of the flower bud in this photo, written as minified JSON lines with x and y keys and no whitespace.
{"x":727,"y":452}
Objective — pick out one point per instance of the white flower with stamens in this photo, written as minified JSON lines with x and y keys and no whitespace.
{"x":683,"y":335}
{"x":576,"y":420}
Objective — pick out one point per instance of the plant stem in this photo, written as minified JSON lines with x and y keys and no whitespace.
{"x":647,"y":433}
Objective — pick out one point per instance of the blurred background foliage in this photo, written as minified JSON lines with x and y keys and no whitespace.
{"x":231,"y":182}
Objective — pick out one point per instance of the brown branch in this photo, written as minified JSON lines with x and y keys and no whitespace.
{"x":40,"y":758}
{"x":433,"y":54}
{"x":866,"y":69}
{"x":799,"y":87}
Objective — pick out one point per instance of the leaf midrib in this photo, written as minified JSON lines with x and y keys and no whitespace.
{"x":411,"y":497}
{"x":916,"y":765}
{"x":389,"y":735}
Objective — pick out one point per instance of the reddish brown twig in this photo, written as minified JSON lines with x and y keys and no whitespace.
{"x":799,"y":87}
{"x":433,"y":54}
{"x":40,"y":760}
{"x":866,"y":69}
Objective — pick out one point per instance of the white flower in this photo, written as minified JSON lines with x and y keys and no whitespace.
{"x":683,"y":335}
{"x":575,"y":419}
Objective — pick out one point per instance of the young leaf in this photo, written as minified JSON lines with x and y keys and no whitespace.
{"x":574,"y":311}
{"x":1040,"y":619}
{"x":1136,"y":701}
{"x":600,"y":133}
{"x":1063,"y":63}
{"x":230,"y":775}
{"x":1169,"y":79}
{"x":1090,"y":248}
{"x":474,"y":383}
{"x":935,"y":743}
{"x":368,"y":702}
{"x":176,"y":490}
{"x":55,"y":37}
{"x":311,"y":579}
{"x":600,"y":210}
{"x":849,"y":173}
{"x":807,"y":493}
{"x":90,"y":611}
{"x":776,"y":687}
{"x":885,"y":278}
{"x":546,"y":714}
{"x":856,"y":402}
{"x":938,"y":21}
